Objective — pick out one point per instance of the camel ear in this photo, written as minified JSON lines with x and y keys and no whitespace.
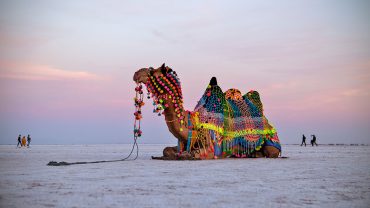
{"x":163,"y":68}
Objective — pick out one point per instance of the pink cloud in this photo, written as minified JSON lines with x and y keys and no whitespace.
{"x":355,"y":92}
{"x":21,"y":71}
{"x":283,"y":85}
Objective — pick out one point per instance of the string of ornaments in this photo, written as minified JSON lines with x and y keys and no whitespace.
{"x":164,"y":89}
{"x":138,"y":116}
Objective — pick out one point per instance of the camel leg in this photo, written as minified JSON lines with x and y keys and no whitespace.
{"x":170,"y":152}
{"x":259,"y":154}
{"x":271,"y":152}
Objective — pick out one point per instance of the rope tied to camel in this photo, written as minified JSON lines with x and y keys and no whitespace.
{"x":137,"y":133}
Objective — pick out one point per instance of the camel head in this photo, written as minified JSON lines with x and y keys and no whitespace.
{"x":142,"y":75}
{"x":162,"y":84}
{"x":159,"y":81}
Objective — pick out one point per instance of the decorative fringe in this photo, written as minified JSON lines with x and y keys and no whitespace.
{"x":229,"y":124}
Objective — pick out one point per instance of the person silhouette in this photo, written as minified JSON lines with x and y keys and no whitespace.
{"x":313,"y":141}
{"x":28,"y":140}
{"x":19,"y":141}
{"x":23,"y":144}
{"x":303,"y":140}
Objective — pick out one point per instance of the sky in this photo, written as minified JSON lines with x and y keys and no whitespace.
{"x":66,"y":67}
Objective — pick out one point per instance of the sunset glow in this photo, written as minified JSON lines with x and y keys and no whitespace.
{"x":66,"y":67}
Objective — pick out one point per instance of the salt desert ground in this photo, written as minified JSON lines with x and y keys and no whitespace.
{"x":323,"y":176}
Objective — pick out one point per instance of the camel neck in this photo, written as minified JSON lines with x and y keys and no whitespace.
{"x":166,"y":89}
{"x":171,"y":116}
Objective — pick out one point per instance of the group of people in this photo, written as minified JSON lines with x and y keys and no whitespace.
{"x":313,"y":140}
{"x":23,"y":142}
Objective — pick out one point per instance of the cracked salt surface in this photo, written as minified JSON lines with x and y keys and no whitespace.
{"x":323,"y":176}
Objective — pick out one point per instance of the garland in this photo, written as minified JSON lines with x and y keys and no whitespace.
{"x":166,"y":90}
{"x":138,"y":116}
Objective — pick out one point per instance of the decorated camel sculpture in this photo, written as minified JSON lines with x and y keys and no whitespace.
{"x":222,"y":124}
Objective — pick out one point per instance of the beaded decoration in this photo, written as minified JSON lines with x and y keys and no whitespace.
{"x":165,"y":88}
{"x":138,"y":104}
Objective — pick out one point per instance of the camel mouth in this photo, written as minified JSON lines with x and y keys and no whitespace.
{"x":136,"y":77}
{"x":141,"y":75}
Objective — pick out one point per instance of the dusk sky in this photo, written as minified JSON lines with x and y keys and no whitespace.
{"x":66,"y":67}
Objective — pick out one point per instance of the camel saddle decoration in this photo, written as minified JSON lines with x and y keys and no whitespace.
{"x":222,"y":125}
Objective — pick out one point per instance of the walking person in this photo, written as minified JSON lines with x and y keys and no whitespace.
{"x":303,"y":140}
{"x":313,"y":141}
{"x":24,"y":141}
{"x":28,"y":140}
{"x":19,"y":141}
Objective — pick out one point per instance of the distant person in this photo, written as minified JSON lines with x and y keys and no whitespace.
{"x":24,"y":141}
{"x":19,"y":141}
{"x":28,"y":140}
{"x":303,"y":140}
{"x":313,"y":141}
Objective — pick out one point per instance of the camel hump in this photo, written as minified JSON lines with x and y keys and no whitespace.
{"x":254,"y":97}
{"x":213,"y":81}
{"x":233,"y":94}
